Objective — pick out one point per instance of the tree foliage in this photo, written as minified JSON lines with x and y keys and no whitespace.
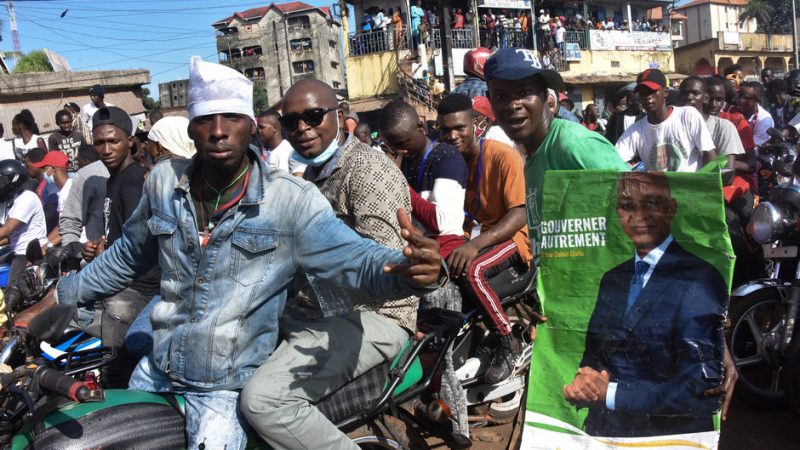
{"x":772,"y":16}
{"x":150,"y":105}
{"x":260,"y":102}
{"x":35,"y":61}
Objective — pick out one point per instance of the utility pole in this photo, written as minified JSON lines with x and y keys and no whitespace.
{"x":343,"y":13}
{"x":14,"y":31}
{"x":794,"y":35}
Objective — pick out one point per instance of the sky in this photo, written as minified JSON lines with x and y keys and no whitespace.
{"x":158,"y":35}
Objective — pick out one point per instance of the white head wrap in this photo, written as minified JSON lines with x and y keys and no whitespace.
{"x":217,"y":89}
{"x":172,"y":134}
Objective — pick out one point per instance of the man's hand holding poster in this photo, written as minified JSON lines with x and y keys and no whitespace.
{"x":634,"y":279}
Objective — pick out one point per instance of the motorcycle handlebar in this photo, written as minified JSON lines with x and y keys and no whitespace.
{"x":54,"y":381}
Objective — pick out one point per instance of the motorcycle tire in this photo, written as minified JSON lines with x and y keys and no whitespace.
{"x":505,"y":410}
{"x":135,"y":425}
{"x":387,"y":432}
{"x":759,"y":371}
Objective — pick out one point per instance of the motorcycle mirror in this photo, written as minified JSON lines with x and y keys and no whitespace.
{"x":775,"y":133}
{"x":33,"y":253}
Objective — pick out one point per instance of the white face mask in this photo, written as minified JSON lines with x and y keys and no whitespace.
{"x":326,"y":154}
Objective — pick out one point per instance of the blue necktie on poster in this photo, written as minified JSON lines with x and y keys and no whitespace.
{"x":637,"y":282}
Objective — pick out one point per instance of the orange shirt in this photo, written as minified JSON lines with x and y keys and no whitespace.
{"x":502,"y":187}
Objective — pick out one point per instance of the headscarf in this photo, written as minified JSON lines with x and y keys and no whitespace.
{"x":172,"y":133}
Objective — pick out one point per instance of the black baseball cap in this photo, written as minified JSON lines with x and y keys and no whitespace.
{"x":97,"y":90}
{"x":518,"y":63}
{"x":113,"y":115}
{"x":651,"y":78}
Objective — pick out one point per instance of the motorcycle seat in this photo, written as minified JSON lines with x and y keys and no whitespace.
{"x":50,"y":324}
{"x":361,"y":394}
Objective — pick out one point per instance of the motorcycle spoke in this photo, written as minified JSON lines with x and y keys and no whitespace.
{"x":774,"y":385}
{"x":755,"y":330}
{"x":750,"y":361}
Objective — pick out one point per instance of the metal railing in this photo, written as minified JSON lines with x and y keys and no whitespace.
{"x":416,"y":90}
{"x":377,"y":41}
{"x":505,"y":38}
{"x":463,"y":38}
{"x":577,"y":37}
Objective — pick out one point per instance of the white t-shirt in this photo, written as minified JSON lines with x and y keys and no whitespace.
{"x":6,"y":150}
{"x":496,"y":133}
{"x":725,"y":136}
{"x":27,"y":209}
{"x":560,"y":33}
{"x":21,"y":148}
{"x":281,"y":158}
{"x":673,"y":145}
{"x":760,"y":122}
{"x":62,"y":195}
{"x":88,"y":111}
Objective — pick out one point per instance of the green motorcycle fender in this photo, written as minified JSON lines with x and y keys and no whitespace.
{"x":72,"y":411}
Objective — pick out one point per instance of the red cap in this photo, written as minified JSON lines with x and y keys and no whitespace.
{"x":481,"y":105}
{"x":562,"y":96}
{"x":55,"y":159}
{"x":652,"y":78}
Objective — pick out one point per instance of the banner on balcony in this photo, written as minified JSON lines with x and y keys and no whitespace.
{"x":629,"y":40}
{"x":572,"y":51}
{"x":510,"y":4}
{"x":634,"y":280}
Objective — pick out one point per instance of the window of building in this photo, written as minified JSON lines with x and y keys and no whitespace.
{"x":252,"y":51}
{"x":332,"y":44}
{"x":334,"y":65}
{"x":337,"y":85}
{"x":301,"y":67}
{"x":299,"y":23}
{"x":299,"y":45}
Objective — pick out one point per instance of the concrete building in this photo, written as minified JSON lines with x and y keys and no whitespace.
{"x":172,"y":94}
{"x":715,"y":40}
{"x":46,"y":93}
{"x":278,"y":44}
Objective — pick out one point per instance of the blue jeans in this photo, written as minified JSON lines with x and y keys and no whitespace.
{"x":212,"y":417}
{"x":139,"y":339}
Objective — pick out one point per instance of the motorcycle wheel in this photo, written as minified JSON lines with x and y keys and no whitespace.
{"x":756,"y":321}
{"x":505,"y":410}
{"x":387,"y":432}
{"x":134,"y":425}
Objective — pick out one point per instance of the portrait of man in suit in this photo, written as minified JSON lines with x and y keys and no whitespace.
{"x":654,"y":343}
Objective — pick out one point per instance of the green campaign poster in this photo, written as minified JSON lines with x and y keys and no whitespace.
{"x":634,"y":280}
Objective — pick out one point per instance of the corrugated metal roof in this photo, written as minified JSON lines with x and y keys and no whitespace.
{"x":44,"y":108}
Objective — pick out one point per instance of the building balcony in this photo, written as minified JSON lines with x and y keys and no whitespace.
{"x":243,"y":62}
{"x":754,"y":42}
{"x":377,"y":41}
{"x":244,"y":39}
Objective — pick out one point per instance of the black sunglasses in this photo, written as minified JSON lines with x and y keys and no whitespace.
{"x":311,"y":117}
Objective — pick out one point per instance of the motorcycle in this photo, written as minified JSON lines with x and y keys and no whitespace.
{"x":775,"y":160}
{"x":764,"y":312}
{"x":32,"y":296}
{"x":394,"y":402}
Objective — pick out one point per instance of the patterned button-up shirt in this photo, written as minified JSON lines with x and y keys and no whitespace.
{"x":365,"y":189}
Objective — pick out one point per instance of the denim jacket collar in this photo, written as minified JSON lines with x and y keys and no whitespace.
{"x":255,"y":188}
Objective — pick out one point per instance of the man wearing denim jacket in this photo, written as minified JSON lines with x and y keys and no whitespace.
{"x":230,"y":235}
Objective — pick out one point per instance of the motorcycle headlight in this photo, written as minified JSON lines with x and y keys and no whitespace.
{"x":767,"y":223}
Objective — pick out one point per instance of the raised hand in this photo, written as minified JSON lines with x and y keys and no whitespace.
{"x":424,"y":261}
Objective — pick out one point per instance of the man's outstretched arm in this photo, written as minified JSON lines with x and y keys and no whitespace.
{"x":132,"y":254}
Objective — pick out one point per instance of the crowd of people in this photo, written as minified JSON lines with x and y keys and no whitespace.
{"x":234,"y":242}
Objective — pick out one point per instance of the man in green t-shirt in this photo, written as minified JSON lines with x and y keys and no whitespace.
{"x":518,"y":86}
